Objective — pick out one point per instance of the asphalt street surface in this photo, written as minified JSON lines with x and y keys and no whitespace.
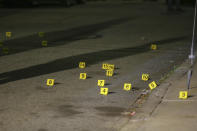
{"x":118,"y":33}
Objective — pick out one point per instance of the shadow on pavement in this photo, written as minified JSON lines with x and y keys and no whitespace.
{"x":58,"y":38}
{"x":72,"y":61}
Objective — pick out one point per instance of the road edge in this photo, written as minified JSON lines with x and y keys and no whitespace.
{"x":148,"y":101}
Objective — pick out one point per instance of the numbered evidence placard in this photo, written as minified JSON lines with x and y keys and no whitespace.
{"x":101,"y":83}
{"x":50,"y":82}
{"x":106,"y":66}
{"x":153,"y":47}
{"x":104,"y":91}
{"x":41,"y":34}
{"x":127,"y":86}
{"x":111,"y":67}
{"x":45,"y":43}
{"x":83,"y":76}
{"x":82,"y":65}
{"x":145,"y":77}
{"x":183,"y":95}
{"x":109,"y":72}
{"x":8,"y":34}
{"x":152,"y":85}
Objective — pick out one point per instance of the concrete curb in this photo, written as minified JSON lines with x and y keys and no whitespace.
{"x":150,"y":100}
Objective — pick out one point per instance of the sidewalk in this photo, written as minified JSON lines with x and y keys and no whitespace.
{"x":172,"y":113}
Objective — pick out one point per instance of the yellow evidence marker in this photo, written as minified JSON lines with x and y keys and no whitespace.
{"x":82,"y":65}
{"x":83,"y":76}
{"x":152,"y":85}
{"x":183,"y":95}
{"x":145,"y":77}
{"x":50,"y":82}
{"x":41,"y":34}
{"x":127,"y":86}
{"x":101,"y":82}
{"x":153,"y":47}
{"x":109,"y":72}
{"x":111,"y":67}
{"x":8,"y":34}
{"x":105,"y":66}
{"x":104,"y":91}
{"x":44,"y":43}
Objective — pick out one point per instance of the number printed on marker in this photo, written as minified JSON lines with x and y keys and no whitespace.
{"x":108,"y":66}
{"x":82,"y":65}
{"x":183,"y":94}
{"x":50,"y":82}
{"x":154,"y":47}
{"x":145,"y":77}
{"x":152,"y":85}
{"x":111,"y":67}
{"x":101,"y":82}
{"x":109,"y":73}
{"x":8,"y":34}
{"x":44,"y":43}
{"x":104,"y":91}
{"x":83,"y":76}
{"x":41,"y":34}
{"x":105,"y":66}
{"x":127,"y":86}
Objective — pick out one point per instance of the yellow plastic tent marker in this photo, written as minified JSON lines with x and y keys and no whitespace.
{"x":83,"y":76}
{"x":44,"y":43}
{"x":183,"y":95}
{"x":152,"y":85}
{"x":109,"y":73}
{"x":127,"y":86}
{"x":104,"y":91}
{"x":41,"y":34}
{"x":153,"y":47}
{"x":8,"y":34}
{"x":82,"y":65}
{"x":101,"y":82}
{"x":105,"y":66}
{"x":145,"y":77}
{"x":50,"y":82}
{"x":111,"y":67}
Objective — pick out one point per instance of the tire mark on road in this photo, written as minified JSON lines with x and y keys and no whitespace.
{"x":72,"y":61}
{"x":58,"y":38}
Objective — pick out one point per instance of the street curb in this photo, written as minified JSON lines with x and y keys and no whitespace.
{"x":148,"y":101}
